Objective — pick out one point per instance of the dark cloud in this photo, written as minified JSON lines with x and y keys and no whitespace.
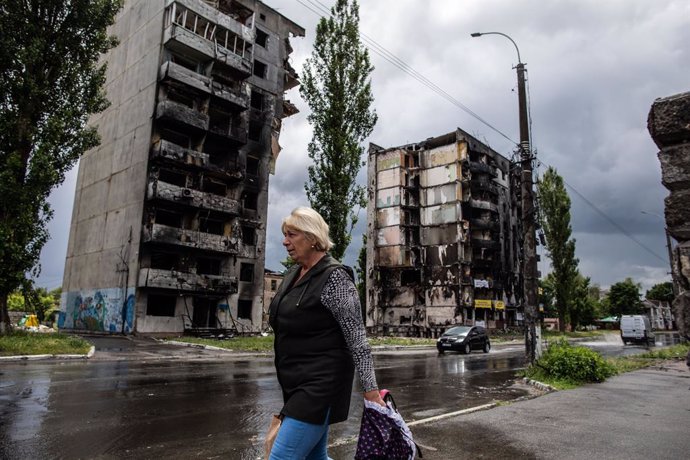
{"x":594,"y":70}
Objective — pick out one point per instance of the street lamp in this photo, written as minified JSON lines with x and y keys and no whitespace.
{"x":669,"y":247}
{"x":529,"y":267}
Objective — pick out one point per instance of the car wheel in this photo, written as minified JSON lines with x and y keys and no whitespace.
{"x":440,"y":351}
{"x":466,"y":349}
{"x":487,"y":346}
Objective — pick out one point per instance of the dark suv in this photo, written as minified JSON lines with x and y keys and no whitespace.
{"x":464,"y":339}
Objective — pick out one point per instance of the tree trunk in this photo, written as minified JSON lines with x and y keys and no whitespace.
{"x":562,"y":318}
{"x":5,"y":324}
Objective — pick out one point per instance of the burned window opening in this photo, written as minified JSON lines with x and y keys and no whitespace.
{"x":251,"y":200}
{"x":160,"y":305}
{"x":247,"y":272}
{"x":184,"y":61}
{"x":260,"y":69}
{"x":248,"y":235}
{"x":274,"y":285}
{"x":175,"y":95}
{"x":244,"y":309}
{"x":204,"y":312}
{"x":257,"y":100}
{"x":215,"y":187}
{"x":219,"y":120}
{"x":175,"y":137}
{"x":210,"y":225}
{"x":172,"y":177}
{"x":261,"y":38}
{"x":225,"y":78}
{"x":208,"y":266}
{"x":252,"y":168}
{"x":164,"y":261}
{"x":409,"y":277}
{"x":255,"y":128}
{"x":169,"y":218}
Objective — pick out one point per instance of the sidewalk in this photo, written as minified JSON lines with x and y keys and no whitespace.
{"x":638,"y":415}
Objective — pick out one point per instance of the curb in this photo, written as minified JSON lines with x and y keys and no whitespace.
{"x":539,"y":385}
{"x":212,"y":348}
{"x":88,"y":355}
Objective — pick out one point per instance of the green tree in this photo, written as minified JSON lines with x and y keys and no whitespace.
{"x":337,"y":88}
{"x":584,"y":309}
{"x":554,"y":203}
{"x":546,"y":296}
{"x":51,"y":80}
{"x":624,"y":298}
{"x":16,"y":302}
{"x":661,"y":291}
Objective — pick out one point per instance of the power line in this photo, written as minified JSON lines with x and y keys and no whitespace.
{"x":402,"y":65}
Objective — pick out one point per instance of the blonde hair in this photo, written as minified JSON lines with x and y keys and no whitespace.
{"x":309,"y":222}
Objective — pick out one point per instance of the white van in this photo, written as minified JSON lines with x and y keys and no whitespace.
{"x":636,"y":328}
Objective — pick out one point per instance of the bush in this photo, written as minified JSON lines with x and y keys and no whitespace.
{"x":562,"y":361}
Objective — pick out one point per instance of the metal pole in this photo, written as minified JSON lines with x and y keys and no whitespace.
{"x":674,"y":280}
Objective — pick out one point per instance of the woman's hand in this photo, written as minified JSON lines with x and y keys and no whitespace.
{"x":374,"y":396}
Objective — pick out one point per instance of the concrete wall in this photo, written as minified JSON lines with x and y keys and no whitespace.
{"x":102,"y":254}
{"x":669,"y":126}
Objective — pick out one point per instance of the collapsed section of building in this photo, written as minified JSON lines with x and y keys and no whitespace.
{"x":168,"y":227}
{"x":443,"y":237}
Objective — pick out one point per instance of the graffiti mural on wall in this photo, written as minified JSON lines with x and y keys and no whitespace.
{"x":102,"y":310}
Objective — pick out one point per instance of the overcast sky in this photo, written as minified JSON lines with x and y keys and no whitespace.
{"x":594,"y":69}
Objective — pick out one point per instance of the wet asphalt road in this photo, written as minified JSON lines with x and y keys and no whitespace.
{"x":140,"y":399}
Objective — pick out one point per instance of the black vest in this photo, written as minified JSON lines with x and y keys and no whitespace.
{"x":314,"y":366}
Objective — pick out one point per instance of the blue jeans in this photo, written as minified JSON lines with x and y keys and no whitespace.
{"x":298,"y":440}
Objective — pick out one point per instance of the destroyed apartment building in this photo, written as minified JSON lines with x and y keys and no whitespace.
{"x":443,"y":237}
{"x":168,"y":226}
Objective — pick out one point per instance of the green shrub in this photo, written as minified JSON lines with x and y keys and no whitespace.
{"x":562,"y":361}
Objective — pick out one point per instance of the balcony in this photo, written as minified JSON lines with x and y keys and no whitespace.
{"x":159,"y":190}
{"x":186,"y":282}
{"x":173,"y":153}
{"x":170,"y":71}
{"x":238,"y":99}
{"x":482,"y":204}
{"x":191,"y":238}
{"x":482,"y":168}
{"x":487,"y":244}
{"x":484,"y":224}
{"x":183,"y":41}
{"x":180,"y":114}
{"x":229,"y":132}
{"x":484,"y":186}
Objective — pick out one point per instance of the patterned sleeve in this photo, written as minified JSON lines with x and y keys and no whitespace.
{"x":340,"y":296}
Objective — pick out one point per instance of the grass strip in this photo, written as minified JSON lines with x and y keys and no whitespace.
{"x":22,"y":343}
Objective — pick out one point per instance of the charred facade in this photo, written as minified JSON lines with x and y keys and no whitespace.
{"x":199,"y":86}
{"x":443,"y":237}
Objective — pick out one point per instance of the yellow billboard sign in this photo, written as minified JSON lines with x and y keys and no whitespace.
{"x":500,"y":305}
{"x":481,"y":303}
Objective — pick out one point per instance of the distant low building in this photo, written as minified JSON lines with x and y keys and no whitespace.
{"x":659,"y":313}
{"x":272,"y":282}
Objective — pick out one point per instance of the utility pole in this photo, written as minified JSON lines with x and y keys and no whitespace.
{"x":669,"y":248}
{"x":529,"y":249}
